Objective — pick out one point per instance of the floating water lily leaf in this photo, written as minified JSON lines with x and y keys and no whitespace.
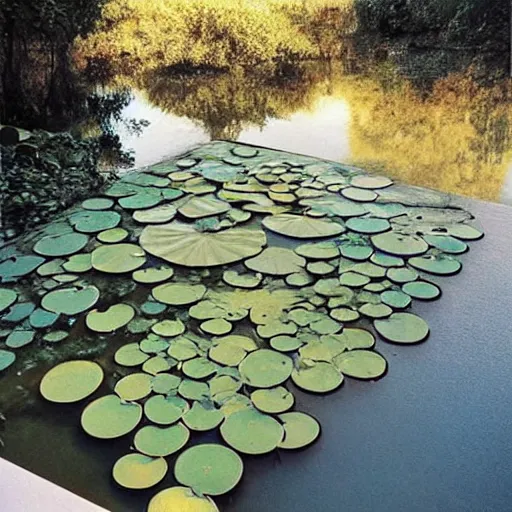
{"x":205,"y":206}
{"x":244,"y":151}
{"x":153,"y":275}
{"x":183,"y":244}
{"x":94,"y":222}
{"x":118,"y":258}
{"x":400,"y":244}
{"x":422,"y":290}
{"x":276,"y":328}
{"x":209,"y":469}
{"x":51,"y":267}
{"x":227,"y":354}
{"x":344,"y":314}
{"x":164,"y":383}
{"x":202,"y":417}
{"x":19,"y":266}
{"x":320,"y":268}
{"x":358,"y":194}
{"x":333,"y":288}
{"x":61,"y":245}
{"x":71,"y":381}
{"x":178,"y":294}
{"x":134,"y":386}
{"x":396,"y":299}
{"x":299,"y":279}
{"x":276,"y":261}
{"x":153,"y":308}
{"x":193,"y":390}
{"x":251,"y":432}
{"x":78,"y":263}
{"x":186,"y":163}
{"x":370,"y":182}
{"x":353,"y":279}
{"x":145,"y":180}
{"x":97,"y":203}
{"x":130,"y":355}
{"x":199,"y":368}
{"x":161,"y":441}
{"x":318,"y":251}
{"x":446,"y":244}
{"x":402,"y":275}
{"x":300,"y":430}
{"x":298,"y":226}
{"x":19,"y":338}
{"x":361,"y":364}
{"x":436,"y":264}
{"x":109,"y":417}
{"x":140,"y":200}
{"x":285,"y":343}
{"x":273,"y":400}
{"x":113,"y":318}
{"x":55,"y":336}
{"x":385,"y":260}
{"x":265,"y":368}
{"x":402,"y":328}
{"x":248,"y":280}
{"x":368,"y":225}
{"x":7,"y":358}
{"x":113,"y":236}
{"x":216,"y":326}
{"x":71,"y":301}
{"x":157,"y":364}
{"x":137,"y":471}
{"x":180,"y":499}
{"x":169,"y":328}
{"x":244,"y":342}
{"x":164,"y":410}
{"x":317,"y":377}
{"x":335,"y":206}
{"x":464,"y":232}
{"x":7,"y":298}
{"x":157,"y":215}
{"x":40,"y":318}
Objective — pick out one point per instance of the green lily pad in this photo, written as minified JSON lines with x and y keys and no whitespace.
{"x":78,"y":263}
{"x":370,"y":182}
{"x":358,"y":252}
{"x":385,"y":260}
{"x":161,"y":442}
{"x":353,"y":279}
{"x":299,"y":279}
{"x":199,"y":368}
{"x":276,"y":261}
{"x":244,"y":151}
{"x":134,"y":387}
{"x":403,"y":328}
{"x":19,"y":266}
{"x":40,"y":318}
{"x":164,"y":410}
{"x":237,"y":280}
{"x":113,"y":236}
{"x":140,"y":200}
{"x":153,"y":275}
{"x":55,"y":336}
{"x":227,"y":354}
{"x":7,"y":358}
{"x":137,"y":471}
{"x":368,"y":226}
{"x":209,"y":469}
{"x":273,"y":400}
{"x":111,"y":320}
{"x":265,"y":368}
{"x":130,"y":355}
{"x":94,"y":221}
{"x":358,"y":194}
{"x":439,"y":265}
{"x":344,"y":314}
{"x":51,"y":267}
{"x":285,"y":343}
{"x":216,"y":326}
{"x":180,"y":499}
{"x":361,"y":364}
{"x":19,"y":338}
{"x":97,"y":203}
{"x":318,"y":251}
{"x":332,"y":288}
{"x":71,"y":301}
{"x":109,"y":417}
{"x":71,"y":381}
{"x":193,"y":390}
{"x":153,"y":308}
{"x":446,"y":244}
{"x":396,"y":299}
{"x":375,"y":310}
{"x":179,"y":294}
{"x":464,"y":232}
{"x":320,"y":268}
{"x":204,"y":206}
{"x":157,"y":215}
{"x":157,"y":364}
{"x":300,"y":430}
{"x":422,"y":290}
{"x":402,"y":275}
{"x":297,"y":226}
{"x":317,"y":377}
{"x":7,"y":298}
{"x":252,"y":432}
{"x":164,"y":383}
{"x":140,"y":325}
{"x":202,"y":417}
{"x":169,"y":328}
{"x":118,"y":258}
{"x":399,"y":244}
{"x":61,"y":245}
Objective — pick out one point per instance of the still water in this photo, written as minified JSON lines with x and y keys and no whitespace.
{"x":455,"y":136}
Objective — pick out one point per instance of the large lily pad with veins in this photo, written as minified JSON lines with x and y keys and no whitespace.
{"x":297,"y":226}
{"x":184,"y":245}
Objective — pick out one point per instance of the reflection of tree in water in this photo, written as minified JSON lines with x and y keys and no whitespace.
{"x":225,"y":104}
{"x":457,"y":137}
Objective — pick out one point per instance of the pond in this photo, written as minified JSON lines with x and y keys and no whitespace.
{"x":453,"y":136}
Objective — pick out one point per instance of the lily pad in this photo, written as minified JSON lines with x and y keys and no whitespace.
{"x":94,"y":222}
{"x":78,"y":263}
{"x":400,"y":244}
{"x":300,"y":430}
{"x":248,"y":280}
{"x":161,"y":442}
{"x":40,"y":318}
{"x":285,"y":343}
{"x":297,"y":226}
{"x":55,"y":336}
{"x":403,"y":328}
{"x":137,"y":471}
{"x":436,"y":264}
{"x":180,"y":499}
{"x":61,"y":245}
{"x":113,"y":236}
{"x":265,"y":368}
{"x":164,"y":383}
{"x":318,"y":251}
{"x":134,"y":387}
{"x":19,"y":338}
{"x":169,"y":328}
{"x":396,"y":299}
{"x":178,"y":294}
{"x":359,"y":194}
{"x":344,"y":314}
{"x":317,"y":377}
{"x":422,"y":290}
{"x":164,"y":410}
{"x":361,"y":364}
{"x":447,"y":244}
{"x":402,"y":275}
{"x":276,"y":261}
{"x":71,"y":301}
{"x":273,"y":400}
{"x":19,"y":266}
{"x":97,"y":203}
{"x":7,"y":358}
{"x":205,"y":206}
{"x":7,"y":298}
{"x":368,"y":225}
{"x":118,"y":258}
{"x":227,"y":354}
{"x":464,"y":232}
{"x":216,"y":326}
{"x":193,"y":390}
{"x":182,"y":244}
{"x":111,"y":320}
{"x":252,"y":432}
{"x":109,"y":417}
{"x":71,"y":381}
{"x":209,"y":469}
{"x":130,"y":355}
{"x":370,"y":182}
{"x":199,"y":368}
{"x":157,"y":215}
{"x":153,"y":275}
{"x":202,"y":417}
